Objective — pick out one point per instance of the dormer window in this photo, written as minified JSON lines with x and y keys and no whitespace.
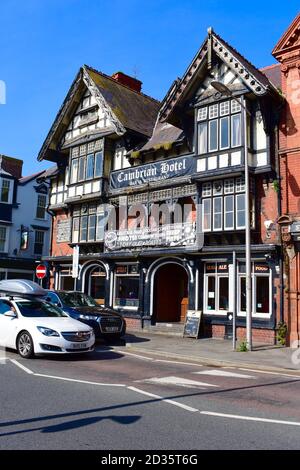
{"x":219,"y":127}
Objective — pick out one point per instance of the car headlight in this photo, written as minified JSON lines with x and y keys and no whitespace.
{"x":87,"y":317}
{"x":47,"y":331}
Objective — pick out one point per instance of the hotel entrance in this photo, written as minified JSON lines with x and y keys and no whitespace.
{"x":170,"y":293}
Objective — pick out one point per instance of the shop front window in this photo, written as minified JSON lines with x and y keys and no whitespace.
{"x":216,"y":288}
{"x":126,"y":287}
{"x":261,"y":284}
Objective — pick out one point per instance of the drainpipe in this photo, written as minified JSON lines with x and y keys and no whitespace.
{"x":234,"y":302}
{"x":277,"y":167}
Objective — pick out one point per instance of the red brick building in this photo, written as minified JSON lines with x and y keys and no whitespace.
{"x":287,"y":52}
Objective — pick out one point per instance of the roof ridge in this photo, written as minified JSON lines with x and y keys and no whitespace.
{"x":32,"y":175}
{"x":241,"y":55}
{"x":266,"y":67}
{"x":121,"y":84}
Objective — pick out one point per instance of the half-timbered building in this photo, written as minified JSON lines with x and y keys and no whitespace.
{"x":173,"y":173}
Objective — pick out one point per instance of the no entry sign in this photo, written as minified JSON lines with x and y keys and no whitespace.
{"x":41,"y":271}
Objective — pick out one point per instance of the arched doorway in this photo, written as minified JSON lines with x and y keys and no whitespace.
{"x":95,"y":283}
{"x":170,"y":293}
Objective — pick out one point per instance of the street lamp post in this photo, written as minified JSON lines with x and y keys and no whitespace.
{"x":224,"y":90}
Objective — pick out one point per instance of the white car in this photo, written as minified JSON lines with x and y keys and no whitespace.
{"x":33,"y":326}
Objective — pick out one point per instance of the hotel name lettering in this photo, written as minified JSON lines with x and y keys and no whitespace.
{"x":180,"y":166}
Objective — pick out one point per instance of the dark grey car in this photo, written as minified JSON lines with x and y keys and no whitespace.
{"x":106,"y":322}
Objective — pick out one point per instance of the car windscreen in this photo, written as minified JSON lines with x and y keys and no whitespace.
{"x":77,"y":299}
{"x":37,"y":309}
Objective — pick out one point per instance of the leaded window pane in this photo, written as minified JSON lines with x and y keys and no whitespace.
{"x":202,"y":138}
{"x":213,"y":135}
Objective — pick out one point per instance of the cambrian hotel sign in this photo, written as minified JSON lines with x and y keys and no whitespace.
{"x":181,"y":166}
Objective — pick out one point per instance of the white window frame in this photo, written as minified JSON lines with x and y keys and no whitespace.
{"x":217,"y":135}
{"x":205,"y":127}
{"x":115,"y":287}
{"x":228,"y":133}
{"x":44,"y":196}
{"x":239,"y":227}
{"x":6,"y":244}
{"x":253,"y":285}
{"x":226,"y":211}
{"x":213,"y":214}
{"x":217,"y":277}
{"x":233,"y":116}
{"x":202,"y":114}
{"x":10,"y":191}
{"x":203,"y":213}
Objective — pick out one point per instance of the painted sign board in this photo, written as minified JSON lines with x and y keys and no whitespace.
{"x":152,"y":172}
{"x":192,"y":323}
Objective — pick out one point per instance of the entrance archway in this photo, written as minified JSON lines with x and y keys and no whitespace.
{"x":170,"y":293}
{"x":95,"y":283}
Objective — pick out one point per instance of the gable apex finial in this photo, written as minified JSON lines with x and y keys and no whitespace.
{"x":210,"y":30}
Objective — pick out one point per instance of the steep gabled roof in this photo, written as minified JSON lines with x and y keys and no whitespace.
{"x":127,"y":109}
{"x":134,"y":110}
{"x":252,"y":77}
{"x":289,"y":40}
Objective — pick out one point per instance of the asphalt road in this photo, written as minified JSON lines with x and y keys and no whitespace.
{"x":114,"y":399}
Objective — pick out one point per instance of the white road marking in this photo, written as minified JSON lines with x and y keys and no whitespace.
{"x":180,"y":381}
{"x":178,"y":362}
{"x":224,"y":373}
{"x":250,"y":418}
{"x":78,"y":381}
{"x":282,"y":374}
{"x":171,"y":402}
{"x":28,"y":371}
{"x":145,"y":358}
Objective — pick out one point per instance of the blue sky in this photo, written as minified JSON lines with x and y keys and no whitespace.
{"x":44,"y":42}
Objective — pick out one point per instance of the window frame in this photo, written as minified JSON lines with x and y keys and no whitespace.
{"x":44,"y":207}
{"x":38,"y":243}
{"x":5,"y":246}
{"x":10,"y":190}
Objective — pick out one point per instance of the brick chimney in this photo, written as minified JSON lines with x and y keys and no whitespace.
{"x":126,"y":80}
{"x":11,"y":165}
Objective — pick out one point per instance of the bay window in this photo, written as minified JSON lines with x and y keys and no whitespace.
{"x":219,"y":127}
{"x":224,"y":205}
{"x":89,"y":222}
{"x":86,"y":162}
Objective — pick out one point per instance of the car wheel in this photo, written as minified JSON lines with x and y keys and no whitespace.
{"x":25,"y":345}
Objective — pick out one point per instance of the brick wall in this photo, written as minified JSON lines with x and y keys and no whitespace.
{"x":62,"y":248}
{"x":11,"y":165}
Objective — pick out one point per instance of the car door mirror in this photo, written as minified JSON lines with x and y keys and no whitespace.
{"x":10,"y":314}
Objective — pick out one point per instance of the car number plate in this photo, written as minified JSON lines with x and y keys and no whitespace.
{"x":111,"y":329}
{"x":79,"y":345}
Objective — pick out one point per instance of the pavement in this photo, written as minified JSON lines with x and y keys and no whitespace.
{"x":215,"y":352}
